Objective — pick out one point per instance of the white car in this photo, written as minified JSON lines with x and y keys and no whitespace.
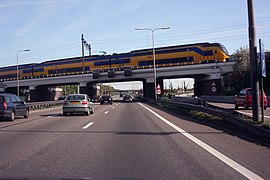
{"x":78,"y":103}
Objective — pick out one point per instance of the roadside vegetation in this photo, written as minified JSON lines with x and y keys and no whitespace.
{"x":240,"y":77}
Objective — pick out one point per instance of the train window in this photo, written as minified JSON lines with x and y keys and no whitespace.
{"x":208,"y":53}
{"x":77,"y":69}
{"x":190,"y":59}
{"x":215,"y":51}
{"x":175,"y":60}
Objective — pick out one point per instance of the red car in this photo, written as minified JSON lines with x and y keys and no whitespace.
{"x":244,"y":99}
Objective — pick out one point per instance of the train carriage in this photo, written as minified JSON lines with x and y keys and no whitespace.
{"x":165,"y":56}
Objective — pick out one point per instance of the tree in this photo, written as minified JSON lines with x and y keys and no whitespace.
{"x":69,"y":89}
{"x":105,"y":89}
{"x":241,"y":69}
{"x":240,"y":77}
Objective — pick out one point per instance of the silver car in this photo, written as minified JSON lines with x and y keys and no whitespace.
{"x":78,"y":103}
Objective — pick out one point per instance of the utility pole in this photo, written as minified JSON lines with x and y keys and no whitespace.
{"x":253,"y":62}
{"x":88,"y":47}
{"x":83,"y":54}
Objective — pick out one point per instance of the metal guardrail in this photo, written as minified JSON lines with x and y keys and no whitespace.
{"x":45,"y":104}
{"x":224,"y":99}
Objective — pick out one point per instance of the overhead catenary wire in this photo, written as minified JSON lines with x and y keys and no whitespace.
{"x":228,"y":33}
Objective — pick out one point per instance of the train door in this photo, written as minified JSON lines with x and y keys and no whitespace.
{"x":215,"y":58}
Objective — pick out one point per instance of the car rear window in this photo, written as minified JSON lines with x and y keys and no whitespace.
{"x":1,"y":99}
{"x":76,"y":97}
{"x":8,"y":99}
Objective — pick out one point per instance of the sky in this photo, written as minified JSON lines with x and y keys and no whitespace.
{"x":52,"y":29}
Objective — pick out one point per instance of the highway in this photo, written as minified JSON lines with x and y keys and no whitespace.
{"x":126,"y":141}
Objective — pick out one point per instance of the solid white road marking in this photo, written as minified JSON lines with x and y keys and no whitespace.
{"x":88,"y":125}
{"x":239,"y":168}
{"x":106,"y":112}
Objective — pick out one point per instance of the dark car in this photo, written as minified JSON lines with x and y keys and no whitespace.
{"x":106,"y":99}
{"x":127,"y":98}
{"x":244,"y":98}
{"x":11,"y":107}
{"x":62,"y":98}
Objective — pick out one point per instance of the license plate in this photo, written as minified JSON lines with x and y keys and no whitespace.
{"x":106,"y":101}
{"x":75,"y":102}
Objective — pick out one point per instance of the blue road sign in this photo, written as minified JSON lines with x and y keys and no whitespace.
{"x":262,"y":58}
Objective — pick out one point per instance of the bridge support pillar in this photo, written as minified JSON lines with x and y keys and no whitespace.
{"x":39,"y":93}
{"x":149,"y":88}
{"x":208,"y":85}
{"x":88,"y":88}
{"x":12,"y":90}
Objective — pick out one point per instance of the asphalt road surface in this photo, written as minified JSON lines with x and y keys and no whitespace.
{"x":126,"y":141}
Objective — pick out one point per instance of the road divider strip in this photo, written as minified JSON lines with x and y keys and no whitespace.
{"x":236,"y":166}
{"x":268,"y":117}
{"x":88,"y":125}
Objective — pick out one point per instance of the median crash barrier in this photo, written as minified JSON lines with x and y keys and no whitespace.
{"x":44,"y":104}
{"x":224,"y":99}
{"x":190,"y":100}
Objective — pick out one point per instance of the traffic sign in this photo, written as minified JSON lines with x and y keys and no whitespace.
{"x":262,"y":57}
{"x":158,"y":89}
{"x":213,"y":87}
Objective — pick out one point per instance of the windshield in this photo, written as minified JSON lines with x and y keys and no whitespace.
{"x":224,"y":49}
{"x":76,"y":97}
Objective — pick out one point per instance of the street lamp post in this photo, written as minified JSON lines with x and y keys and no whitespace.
{"x":154,"y":56}
{"x":110,"y":59}
{"x":18,"y":86}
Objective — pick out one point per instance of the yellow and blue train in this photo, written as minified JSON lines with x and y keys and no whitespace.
{"x":165,"y":56}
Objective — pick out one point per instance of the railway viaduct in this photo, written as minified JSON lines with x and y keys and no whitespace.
{"x":207,"y":80}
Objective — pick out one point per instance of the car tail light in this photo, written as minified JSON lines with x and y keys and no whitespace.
{"x":5,"y":105}
{"x":65,"y":102}
{"x":84,"y":102}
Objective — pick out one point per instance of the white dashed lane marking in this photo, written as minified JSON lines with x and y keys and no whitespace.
{"x":88,"y":125}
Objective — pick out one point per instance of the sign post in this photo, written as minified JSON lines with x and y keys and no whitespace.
{"x":263,"y":74}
